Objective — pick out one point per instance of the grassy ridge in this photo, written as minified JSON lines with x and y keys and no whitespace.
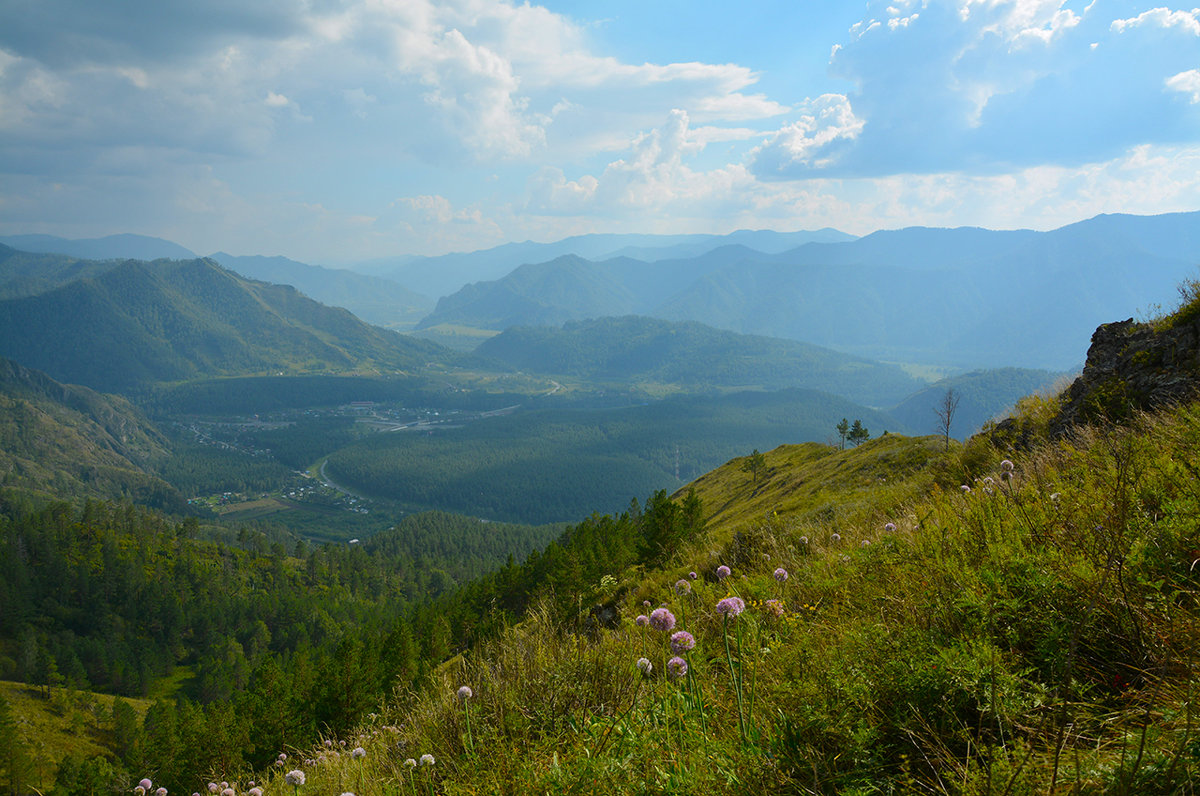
{"x":1035,"y":633}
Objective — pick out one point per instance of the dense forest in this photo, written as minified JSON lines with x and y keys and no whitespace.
{"x":268,"y":646}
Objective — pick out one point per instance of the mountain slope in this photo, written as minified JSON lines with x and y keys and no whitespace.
{"x":167,"y":321}
{"x":374,"y":299}
{"x":693,"y":357}
{"x":982,"y":395}
{"x":544,"y":294}
{"x":69,"y":441}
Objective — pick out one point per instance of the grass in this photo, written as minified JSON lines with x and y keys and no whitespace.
{"x":70,"y":722}
{"x":1035,"y":634}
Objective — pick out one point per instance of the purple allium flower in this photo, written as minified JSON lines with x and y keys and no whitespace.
{"x":255,"y":791}
{"x":890,"y":527}
{"x":328,"y":743}
{"x":465,"y":693}
{"x":295,"y":778}
{"x":427,"y":759}
{"x":988,"y":481}
{"x":146,"y":784}
{"x":693,"y":575}
{"x":965,"y":489}
{"x":835,"y":537}
{"x":213,"y":788}
{"x":226,"y":792}
{"x":722,"y":572}
{"x":677,"y":667}
{"x":774,"y":607}
{"x":410,"y":763}
{"x":731,"y":606}
{"x":358,"y":751}
{"x":139,"y":790}
{"x":645,"y":603}
{"x":347,"y":793}
{"x":662,"y":619}
{"x":682,"y":641}
{"x":1006,"y":475}
{"x":803,"y":540}
{"x":781,"y":574}
{"x":645,"y":665}
{"x":1006,"y":466}
{"x":866,"y":542}
{"x":682,"y":587}
{"x":642,"y":620}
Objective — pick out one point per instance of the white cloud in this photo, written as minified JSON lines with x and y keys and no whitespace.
{"x":274,"y":100}
{"x":1186,"y":82}
{"x":811,"y":142}
{"x":1187,"y":21}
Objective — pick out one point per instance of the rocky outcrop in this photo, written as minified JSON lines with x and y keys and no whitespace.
{"x":1133,"y":366}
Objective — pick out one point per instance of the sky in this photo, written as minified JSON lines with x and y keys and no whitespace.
{"x":333,"y":131}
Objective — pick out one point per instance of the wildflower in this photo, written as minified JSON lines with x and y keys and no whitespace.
{"x":358,"y":752}
{"x":722,"y":572}
{"x":866,"y":542}
{"x":781,"y":574}
{"x":464,"y":693}
{"x":677,"y":667}
{"x":693,"y":575}
{"x":139,"y":790}
{"x":682,"y":641}
{"x":682,"y":587}
{"x":146,"y":784}
{"x":835,"y":537}
{"x":410,"y":763}
{"x":212,"y":788}
{"x":645,"y":603}
{"x":347,"y":793}
{"x":890,"y":527}
{"x":328,"y":743}
{"x":662,"y":619}
{"x":965,"y":489}
{"x":645,"y":666}
{"x":295,"y":778}
{"x":804,"y":540}
{"x":1006,"y":466}
{"x":766,"y":556}
{"x":427,"y":759}
{"x":1054,"y":497}
{"x":255,"y":791}
{"x":774,"y":607}
{"x":988,"y":481}
{"x":731,"y":606}
{"x":642,"y":620}
{"x":226,"y":792}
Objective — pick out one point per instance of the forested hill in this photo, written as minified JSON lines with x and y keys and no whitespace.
{"x":140,"y":323}
{"x":693,"y":356}
{"x":67,"y":441}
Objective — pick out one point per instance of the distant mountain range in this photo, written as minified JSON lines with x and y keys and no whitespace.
{"x":959,"y":297}
{"x":138,"y":323}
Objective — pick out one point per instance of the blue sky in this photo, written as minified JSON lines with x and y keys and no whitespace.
{"x":331,"y":130}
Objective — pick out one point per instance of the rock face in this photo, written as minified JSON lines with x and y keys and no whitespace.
{"x":1133,"y":366}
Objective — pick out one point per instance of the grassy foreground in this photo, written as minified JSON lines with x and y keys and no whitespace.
{"x":1032,"y":630}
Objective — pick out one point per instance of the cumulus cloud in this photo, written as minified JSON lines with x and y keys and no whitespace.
{"x":813,"y":141}
{"x":1186,"y":21}
{"x":1186,"y":82}
{"x":943,"y":85}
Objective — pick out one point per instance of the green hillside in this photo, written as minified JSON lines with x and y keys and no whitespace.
{"x":66,"y":441}
{"x":690,"y":356}
{"x":982,"y":395}
{"x":141,"y":323}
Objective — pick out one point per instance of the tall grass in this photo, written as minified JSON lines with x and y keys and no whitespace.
{"x":1035,"y":634}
